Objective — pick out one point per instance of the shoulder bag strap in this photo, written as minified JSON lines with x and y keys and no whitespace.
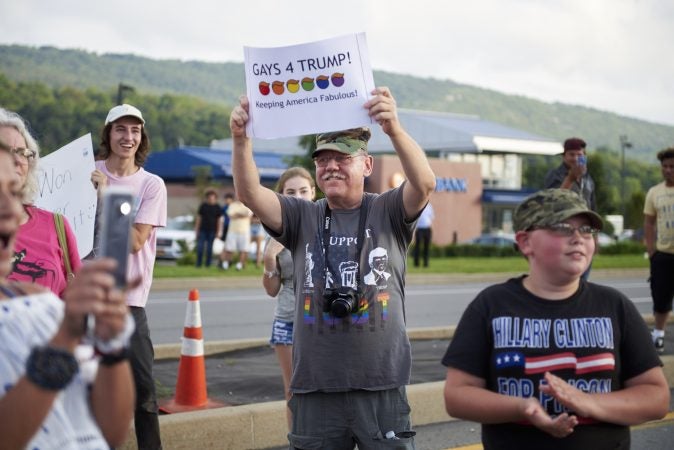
{"x":63,"y":242}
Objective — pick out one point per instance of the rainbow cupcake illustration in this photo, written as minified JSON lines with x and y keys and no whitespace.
{"x":293,"y":86}
{"x":277,"y":87}
{"x":337,"y":79}
{"x":264,"y":88}
{"x":322,"y":81}
{"x":307,"y":83}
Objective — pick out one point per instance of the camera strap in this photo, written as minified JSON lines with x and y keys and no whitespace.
{"x":327,"y":224}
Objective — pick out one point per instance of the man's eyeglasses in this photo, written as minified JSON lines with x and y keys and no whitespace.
{"x":568,"y":230}
{"x":341,"y":160}
{"x":24,"y":154}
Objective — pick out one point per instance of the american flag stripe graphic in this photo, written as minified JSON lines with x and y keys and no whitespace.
{"x":548,"y":363}
{"x":557,"y":361}
{"x":595,"y":363}
{"x":567,"y":360}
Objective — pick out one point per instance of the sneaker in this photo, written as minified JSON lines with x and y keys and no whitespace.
{"x":225,"y":265}
{"x":659,"y":344}
{"x":239,"y":266}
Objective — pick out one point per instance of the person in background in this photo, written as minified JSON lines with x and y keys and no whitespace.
{"x":351,"y":352}
{"x":572,"y":174}
{"x":659,"y":237}
{"x":257,"y":237}
{"x":278,"y":277}
{"x":123,"y":150}
{"x":238,"y":235}
{"x":47,"y":400}
{"x":548,"y":360}
{"x":423,"y":235}
{"x":207,"y":226}
{"x":37,"y":254}
{"x":229,"y":198}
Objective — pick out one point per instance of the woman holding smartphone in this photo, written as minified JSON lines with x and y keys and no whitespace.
{"x":46,"y":400}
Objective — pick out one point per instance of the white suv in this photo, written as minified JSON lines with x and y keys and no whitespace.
{"x":180,"y":228}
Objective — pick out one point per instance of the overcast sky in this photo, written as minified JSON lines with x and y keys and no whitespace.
{"x":614,"y":55}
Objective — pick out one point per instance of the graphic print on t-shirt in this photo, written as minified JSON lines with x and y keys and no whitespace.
{"x":308,"y":267}
{"x":342,"y":272}
{"x":581,"y":350}
{"x":26,"y":269}
{"x":378,"y":276}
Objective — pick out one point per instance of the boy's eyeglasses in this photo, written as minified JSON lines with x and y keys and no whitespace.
{"x":568,"y":230}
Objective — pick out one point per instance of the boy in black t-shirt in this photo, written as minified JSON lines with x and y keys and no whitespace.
{"x":548,"y":360}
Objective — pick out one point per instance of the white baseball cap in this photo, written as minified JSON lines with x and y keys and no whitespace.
{"x":123,"y":111}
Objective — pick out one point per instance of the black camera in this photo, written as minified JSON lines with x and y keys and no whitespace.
{"x":340,"y":302}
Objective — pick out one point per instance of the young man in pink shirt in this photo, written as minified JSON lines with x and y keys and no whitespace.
{"x":123,"y":149}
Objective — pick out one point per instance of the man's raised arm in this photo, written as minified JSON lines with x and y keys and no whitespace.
{"x":262,"y":201}
{"x":420,"y":178}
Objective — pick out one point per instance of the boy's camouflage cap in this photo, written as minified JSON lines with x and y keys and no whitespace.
{"x":551,"y":206}
{"x":348,"y":142}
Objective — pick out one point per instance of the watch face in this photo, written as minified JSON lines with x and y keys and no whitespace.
{"x":51,"y":368}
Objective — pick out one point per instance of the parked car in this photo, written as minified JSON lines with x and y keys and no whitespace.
{"x":497,"y":239}
{"x":604,"y":239}
{"x":180,"y":228}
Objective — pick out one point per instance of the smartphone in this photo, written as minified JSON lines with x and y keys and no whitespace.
{"x":582,"y":160}
{"x":116,"y":221}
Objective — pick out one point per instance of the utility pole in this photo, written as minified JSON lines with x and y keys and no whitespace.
{"x":120,"y":92}
{"x":624,"y":144}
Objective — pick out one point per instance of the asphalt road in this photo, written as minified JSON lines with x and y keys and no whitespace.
{"x":242,"y":313}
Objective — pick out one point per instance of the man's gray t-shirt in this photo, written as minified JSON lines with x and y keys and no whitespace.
{"x":370,"y":348}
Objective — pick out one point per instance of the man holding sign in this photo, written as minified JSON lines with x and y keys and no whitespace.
{"x":351,"y":356}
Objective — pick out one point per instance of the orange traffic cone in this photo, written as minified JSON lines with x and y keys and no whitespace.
{"x":191,"y":384}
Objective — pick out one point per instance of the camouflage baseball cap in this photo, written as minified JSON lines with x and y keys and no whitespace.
{"x":551,"y":206}
{"x":348,"y":142}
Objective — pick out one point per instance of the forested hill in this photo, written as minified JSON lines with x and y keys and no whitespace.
{"x":222,"y":83}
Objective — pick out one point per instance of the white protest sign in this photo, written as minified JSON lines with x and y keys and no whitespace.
{"x":64,"y":180}
{"x":309,"y":88}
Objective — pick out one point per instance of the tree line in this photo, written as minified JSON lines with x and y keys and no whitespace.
{"x":57,"y":116}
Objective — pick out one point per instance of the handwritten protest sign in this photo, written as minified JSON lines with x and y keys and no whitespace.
{"x":309,"y":88}
{"x":64,"y":180}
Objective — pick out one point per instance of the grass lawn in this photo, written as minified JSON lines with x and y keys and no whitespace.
{"x":437,"y":265}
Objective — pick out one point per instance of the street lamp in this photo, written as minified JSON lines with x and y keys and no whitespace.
{"x":624,"y":143}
